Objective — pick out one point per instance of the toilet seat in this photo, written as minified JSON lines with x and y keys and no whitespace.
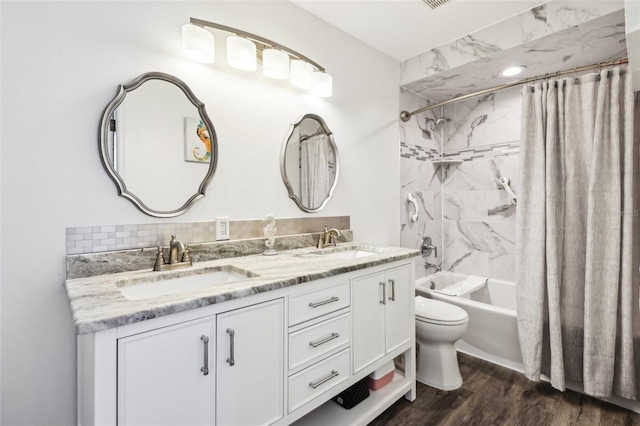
{"x":437,"y":312}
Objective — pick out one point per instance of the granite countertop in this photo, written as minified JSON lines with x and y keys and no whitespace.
{"x":98,"y":304}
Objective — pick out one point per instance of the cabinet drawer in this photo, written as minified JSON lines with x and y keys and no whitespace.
{"x":315,"y":380}
{"x":313,"y":343}
{"x":307,"y":306}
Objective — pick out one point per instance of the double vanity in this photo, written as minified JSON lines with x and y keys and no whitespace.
{"x":245,"y":340}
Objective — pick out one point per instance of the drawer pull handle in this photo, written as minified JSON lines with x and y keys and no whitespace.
{"x":231,"y":360}
{"x":205,"y":369}
{"x":393,"y":290}
{"x":384,"y":293}
{"x":333,"y":374}
{"x":324,"y":302}
{"x":325,"y":340}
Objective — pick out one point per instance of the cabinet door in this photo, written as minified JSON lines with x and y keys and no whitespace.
{"x":250,"y":365}
{"x":400,"y":307}
{"x":160,"y":381}
{"x":368,"y":307}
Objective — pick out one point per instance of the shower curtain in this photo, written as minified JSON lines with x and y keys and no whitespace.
{"x":578,"y":236}
{"x":315,"y":180}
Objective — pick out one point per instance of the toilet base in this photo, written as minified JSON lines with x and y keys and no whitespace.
{"x":437,"y":366}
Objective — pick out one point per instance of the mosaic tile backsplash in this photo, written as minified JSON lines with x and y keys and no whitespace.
{"x":98,"y":239}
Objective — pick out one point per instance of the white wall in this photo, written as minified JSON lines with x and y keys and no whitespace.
{"x":61,"y":65}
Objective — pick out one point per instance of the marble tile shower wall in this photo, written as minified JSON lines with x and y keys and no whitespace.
{"x":420,"y":144}
{"x":478,"y":218}
{"x":462,"y":207}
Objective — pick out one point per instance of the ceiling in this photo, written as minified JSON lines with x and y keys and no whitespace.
{"x":402,"y":29}
{"x":406,"y":29}
{"x":599,"y":40}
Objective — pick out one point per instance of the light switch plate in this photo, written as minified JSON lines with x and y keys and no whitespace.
{"x":222,"y":228}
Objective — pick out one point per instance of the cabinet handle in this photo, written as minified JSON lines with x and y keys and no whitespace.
{"x":393,"y":290}
{"x":333,"y":374}
{"x":231,"y":360}
{"x":325,"y":340}
{"x":205,"y":369}
{"x":324,"y":302}
{"x":384,"y":293}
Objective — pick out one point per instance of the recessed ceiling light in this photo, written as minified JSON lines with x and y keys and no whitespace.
{"x":512,"y":71}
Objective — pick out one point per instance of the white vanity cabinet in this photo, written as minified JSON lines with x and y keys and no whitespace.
{"x":250,"y":365}
{"x":273,"y":358}
{"x":161,"y":376}
{"x":382,"y":314}
{"x":173,"y":375}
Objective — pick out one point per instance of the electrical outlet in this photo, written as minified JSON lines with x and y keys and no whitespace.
{"x":222,"y":228}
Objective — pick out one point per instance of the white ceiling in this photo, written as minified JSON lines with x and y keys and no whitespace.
{"x":402,"y":29}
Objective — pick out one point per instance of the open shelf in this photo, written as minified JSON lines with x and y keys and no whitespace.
{"x":331,"y":413}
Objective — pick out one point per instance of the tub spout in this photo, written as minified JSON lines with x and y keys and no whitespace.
{"x":428,"y":265}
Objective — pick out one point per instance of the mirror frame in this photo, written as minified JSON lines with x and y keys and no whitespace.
{"x":104,"y":143}
{"x":283,"y":170}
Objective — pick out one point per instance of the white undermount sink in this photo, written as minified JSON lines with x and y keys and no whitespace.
{"x":347,"y":252}
{"x":350,"y":254}
{"x":139,"y":289}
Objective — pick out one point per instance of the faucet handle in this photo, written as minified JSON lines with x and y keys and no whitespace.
{"x":159,"y":259}
{"x":186,"y":257}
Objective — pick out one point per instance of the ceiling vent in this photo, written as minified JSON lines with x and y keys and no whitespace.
{"x":435,"y":3}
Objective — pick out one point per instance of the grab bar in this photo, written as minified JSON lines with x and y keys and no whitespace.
{"x":411,"y":200}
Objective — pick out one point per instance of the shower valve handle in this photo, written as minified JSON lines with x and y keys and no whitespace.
{"x":427,"y":246}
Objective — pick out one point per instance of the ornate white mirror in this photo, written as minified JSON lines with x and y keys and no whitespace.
{"x":309,"y":163}
{"x":158,"y":144}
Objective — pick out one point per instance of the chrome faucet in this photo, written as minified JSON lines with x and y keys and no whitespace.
{"x":428,"y":265}
{"x":179,"y":256}
{"x":327,"y":236}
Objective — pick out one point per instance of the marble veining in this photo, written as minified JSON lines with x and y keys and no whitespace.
{"x":539,"y":23}
{"x":89,"y":265}
{"x":601,"y":39}
{"x":97,"y":304}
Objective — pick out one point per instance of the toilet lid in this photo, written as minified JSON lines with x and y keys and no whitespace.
{"x":435,"y":311}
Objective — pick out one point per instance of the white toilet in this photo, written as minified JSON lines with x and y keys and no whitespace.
{"x":438,"y":326}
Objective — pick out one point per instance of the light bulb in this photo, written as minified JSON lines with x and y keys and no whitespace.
{"x":241,"y":53}
{"x":275,"y":64}
{"x":300,"y":75}
{"x":198,"y":44}
{"x":321,"y":84}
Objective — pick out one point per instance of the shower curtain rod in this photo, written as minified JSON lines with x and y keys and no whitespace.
{"x":406,"y":116}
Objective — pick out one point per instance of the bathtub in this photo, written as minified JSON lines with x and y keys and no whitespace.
{"x":492,"y":333}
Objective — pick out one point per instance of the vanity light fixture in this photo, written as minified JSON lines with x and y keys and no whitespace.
{"x":241,"y":53}
{"x":513,"y":71}
{"x":246,"y":50}
{"x":300,"y":75}
{"x":321,"y":84}
{"x":198,"y":44}
{"x":275,"y":64}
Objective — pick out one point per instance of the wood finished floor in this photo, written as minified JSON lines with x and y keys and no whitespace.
{"x":493,"y":395}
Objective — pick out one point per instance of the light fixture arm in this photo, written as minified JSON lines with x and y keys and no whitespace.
{"x":261,"y":42}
